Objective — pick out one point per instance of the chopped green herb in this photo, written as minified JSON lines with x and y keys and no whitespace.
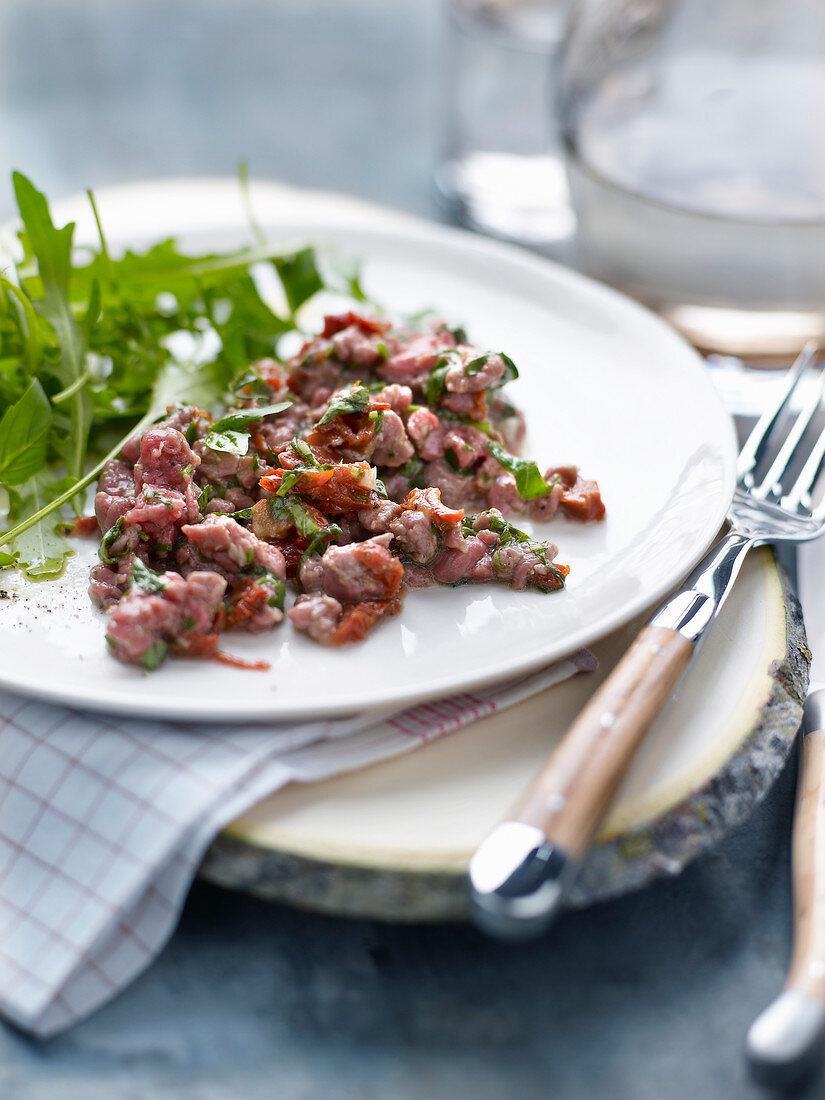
{"x":146,"y":578}
{"x":413,"y":468}
{"x":529,"y":482}
{"x":319,"y":542}
{"x":153,"y":656}
{"x":108,"y":540}
{"x":227,"y":436}
{"x":156,"y":494}
{"x":303,"y":450}
{"x":510,"y":371}
{"x":509,"y":533}
{"x":292,"y":510}
{"x":435,"y":384}
{"x":353,"y":401}
{"x":248,"y":385}
{"x":451,"y":459}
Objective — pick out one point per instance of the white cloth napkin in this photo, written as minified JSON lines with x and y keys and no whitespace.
{"x":104,"y":821}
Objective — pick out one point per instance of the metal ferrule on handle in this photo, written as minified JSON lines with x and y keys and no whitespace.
{"x":692,"y":609}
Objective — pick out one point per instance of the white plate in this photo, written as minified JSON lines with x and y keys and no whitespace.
{"x":604,"y":384}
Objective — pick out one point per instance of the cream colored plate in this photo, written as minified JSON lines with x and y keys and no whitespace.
{"x":394,"y":840}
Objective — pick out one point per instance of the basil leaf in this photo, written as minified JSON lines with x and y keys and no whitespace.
{"x":146,"y":578}
{"x":353,"y":401}
{"x":23,"y":431}
{"x":299,"y":276}
{"x":529,"y":482}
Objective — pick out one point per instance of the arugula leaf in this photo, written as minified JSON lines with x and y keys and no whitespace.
{"x":30,"y":327}
{"x":353,"y":401}
{"x":52,"y":248}
{"x":41,"y":551}
{"x":146,"y":578}
{"x":179,"y":383}
{"x":226,"y":435}
{"x":347,"y":271}
{"x":98,"y":335}
{"x":23,"y":431}
{"x":529,"y":482}
{"x":299,"y":277}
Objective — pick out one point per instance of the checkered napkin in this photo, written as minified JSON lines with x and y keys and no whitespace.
{"x":104,"y":821}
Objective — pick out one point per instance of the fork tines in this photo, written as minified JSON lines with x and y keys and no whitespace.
{"x":772,"y":485}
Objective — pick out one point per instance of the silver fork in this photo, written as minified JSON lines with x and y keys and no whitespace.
{"x":522,"y":871}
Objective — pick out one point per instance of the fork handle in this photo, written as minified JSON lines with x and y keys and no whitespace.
{"x":569,"y":796}
{"x":522,"y":870}
{"x":785,"y":1043}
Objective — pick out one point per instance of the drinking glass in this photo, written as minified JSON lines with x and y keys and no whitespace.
{"x":502,"y":169}
{"x":694,"y":132}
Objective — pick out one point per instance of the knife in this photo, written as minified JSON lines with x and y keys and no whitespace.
{"x":786,"y":1043}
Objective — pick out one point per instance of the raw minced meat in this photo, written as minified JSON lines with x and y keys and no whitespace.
{"x":394,"y":466}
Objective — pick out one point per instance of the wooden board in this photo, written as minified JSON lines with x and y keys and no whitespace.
{"x":393,"y":841}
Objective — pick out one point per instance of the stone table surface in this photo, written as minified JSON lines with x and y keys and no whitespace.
{"x":645,"y":997}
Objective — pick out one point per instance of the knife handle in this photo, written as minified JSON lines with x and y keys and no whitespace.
{"x":521,"y":871}
{"x":785,"y":1043}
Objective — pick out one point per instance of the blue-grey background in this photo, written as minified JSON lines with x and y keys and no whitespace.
{"x":646,"y":997}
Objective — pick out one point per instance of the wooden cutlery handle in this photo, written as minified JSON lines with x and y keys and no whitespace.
{"x":570,"y":795}
{"x":785,"y":1043}
{"x":807,"y":973}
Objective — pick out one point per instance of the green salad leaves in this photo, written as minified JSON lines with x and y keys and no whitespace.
{"x":95,"y":347}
